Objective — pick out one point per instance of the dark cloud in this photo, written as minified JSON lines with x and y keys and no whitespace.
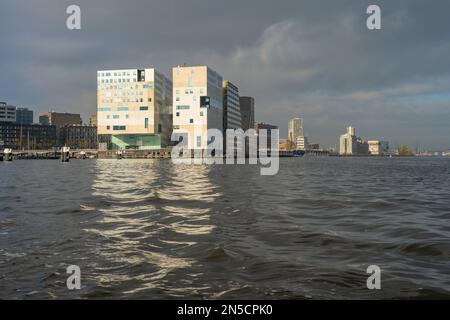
{"x":311,"y":58}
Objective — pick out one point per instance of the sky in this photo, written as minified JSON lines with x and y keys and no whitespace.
{"x":313,"y":59}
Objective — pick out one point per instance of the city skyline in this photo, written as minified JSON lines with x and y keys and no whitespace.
{"x":296,"y":60}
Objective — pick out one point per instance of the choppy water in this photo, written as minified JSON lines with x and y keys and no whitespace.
{"x":148,"y":229}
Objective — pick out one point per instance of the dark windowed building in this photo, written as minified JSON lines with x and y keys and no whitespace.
{"x":247,"y":105}
{"x":27,"y":136}
{"x":24,"y":116}
{"x":79,"y":136}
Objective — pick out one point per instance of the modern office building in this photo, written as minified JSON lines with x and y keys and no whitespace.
{"x":348,"y":144}
{"x":27,"y":136}
{"x":134,"y":109}
{"x":231,"y":107}
{"x":24,"y":116}
{"x":197,"y":103}
{"x":247,"y":105}
{"x":7,"y":112}
{"x":378,"y":148}
{"x":295,"y":129}
{"x":79,"y":136}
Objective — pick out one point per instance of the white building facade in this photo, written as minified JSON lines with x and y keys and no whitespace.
{"x":197,"y":103}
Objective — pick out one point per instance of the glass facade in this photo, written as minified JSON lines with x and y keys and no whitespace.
{"x":136,"y":142}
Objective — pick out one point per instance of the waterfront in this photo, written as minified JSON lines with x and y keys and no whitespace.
{"x":148,"y":229}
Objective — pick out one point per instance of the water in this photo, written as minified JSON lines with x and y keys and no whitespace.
{"x":148,"y":229}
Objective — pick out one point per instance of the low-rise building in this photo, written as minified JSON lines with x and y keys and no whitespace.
{"x":269,"y":127}
{"x":79,"y":136}
{"x":93,"y":120}
{"x":59,"y":120}
{"x":301,"y":142}
{"x":378,"y":148}
{"x":27,"y":136}
{"x":24,"y":116}
{"x":7,"y":112}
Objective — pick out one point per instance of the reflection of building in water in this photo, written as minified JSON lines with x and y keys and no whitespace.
{"x":153,"y":209}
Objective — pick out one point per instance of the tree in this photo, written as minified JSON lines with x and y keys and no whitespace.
{"x":405,"y":151}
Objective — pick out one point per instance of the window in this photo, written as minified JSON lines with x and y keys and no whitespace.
{"x":116,"y":116}
{"x":146,"y":123}
{"x":149,"y":99}
{"x":127,"y":116}
{"x":177,"y":91}
{"x":119,"y":128}
{"x":122,"y":108}
{"x":177,"y":99}
{"x":178,"y":114}
{"x":143,"y":108}
{"x":183,"y":107}
{"x":199,"y":141}
{"x":191,"y":120}
{"x":201,"y":114}
{"x":108,"y":127}
{"x":104,"y":109}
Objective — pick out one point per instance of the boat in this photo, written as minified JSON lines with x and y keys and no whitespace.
{"x":7,"y":154}
{"x":298,"y":153}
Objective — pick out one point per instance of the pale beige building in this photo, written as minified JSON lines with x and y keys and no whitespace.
{"x":348,"y":143}
{"x":295,"y":129}
{"x":378,"y":148}
{"x":301,"y":143}
{"x":197,"y":103}
{"x":134,"y":108}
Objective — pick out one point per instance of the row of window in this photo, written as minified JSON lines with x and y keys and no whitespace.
{"x":201,"y":114}
{"x":123,"y":127}
{"x":120,"y":87}
{"x":141,"y":108}
{"x":116,"y":116}
{"x":116,"y":80}
{"x":115,"y":74}
{"x":124,"y":100}
{"x":190,"y":91}
{"x":123,"y":94}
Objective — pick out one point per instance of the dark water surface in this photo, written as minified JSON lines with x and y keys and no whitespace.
{"x":148,"y":229}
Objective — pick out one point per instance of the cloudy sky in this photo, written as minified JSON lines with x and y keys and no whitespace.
{"x":313,"y":59}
